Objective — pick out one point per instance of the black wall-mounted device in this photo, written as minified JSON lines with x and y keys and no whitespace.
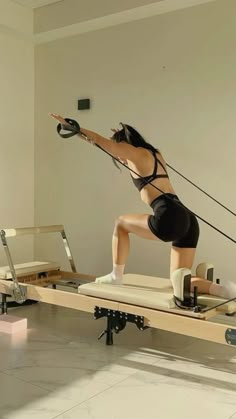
{"x":83,"y":104}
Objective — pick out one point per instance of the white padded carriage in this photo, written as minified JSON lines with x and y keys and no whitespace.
{"x":139,"y":290}
{"x":149,"y":292}
{"x":143,"y":297}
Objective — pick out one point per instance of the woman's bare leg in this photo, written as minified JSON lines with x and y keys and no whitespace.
{"x":125,"y":224}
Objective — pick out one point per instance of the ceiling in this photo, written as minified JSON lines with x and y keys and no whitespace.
{"x":33,"y":4}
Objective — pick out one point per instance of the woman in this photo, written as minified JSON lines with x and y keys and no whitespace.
{"x":171,"y":221}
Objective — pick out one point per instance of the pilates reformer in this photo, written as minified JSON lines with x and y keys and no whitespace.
{"x":39,"y":273}
{"x":145,"y":301}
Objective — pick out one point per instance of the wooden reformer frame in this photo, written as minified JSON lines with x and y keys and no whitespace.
{"x":36,"y":286}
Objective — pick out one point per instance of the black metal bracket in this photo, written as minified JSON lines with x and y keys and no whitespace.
{"x":230,"y":336}
{"x":190,"y":303}
{"x":116,"y":322}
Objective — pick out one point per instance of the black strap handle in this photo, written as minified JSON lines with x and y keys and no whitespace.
{"x":73,"y":127}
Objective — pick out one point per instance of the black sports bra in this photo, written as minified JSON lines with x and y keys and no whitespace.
{"x":140,"y":182}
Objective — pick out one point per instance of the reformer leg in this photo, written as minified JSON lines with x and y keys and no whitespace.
{"x":108,"y":332}
{"x":4,"y":304}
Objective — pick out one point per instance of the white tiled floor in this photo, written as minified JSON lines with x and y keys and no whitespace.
{"x":60,"y":370}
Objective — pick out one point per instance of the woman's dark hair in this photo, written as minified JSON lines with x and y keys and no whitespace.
{"x":129,"y":135}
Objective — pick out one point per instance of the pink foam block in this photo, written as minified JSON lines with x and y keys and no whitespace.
{"x":12,"y":324}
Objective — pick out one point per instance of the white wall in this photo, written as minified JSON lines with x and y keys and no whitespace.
{"x":16,"y":124}
{"x":171,"y":76}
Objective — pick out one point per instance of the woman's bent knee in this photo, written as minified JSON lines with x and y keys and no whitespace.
{"x":119,"y":224}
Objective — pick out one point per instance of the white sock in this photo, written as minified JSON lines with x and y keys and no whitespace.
{"x":226,"y":291}
{"x":113,"y":278}
{"x":117,"y":272}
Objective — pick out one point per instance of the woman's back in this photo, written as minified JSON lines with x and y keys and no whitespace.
{"x":151,"y":166}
